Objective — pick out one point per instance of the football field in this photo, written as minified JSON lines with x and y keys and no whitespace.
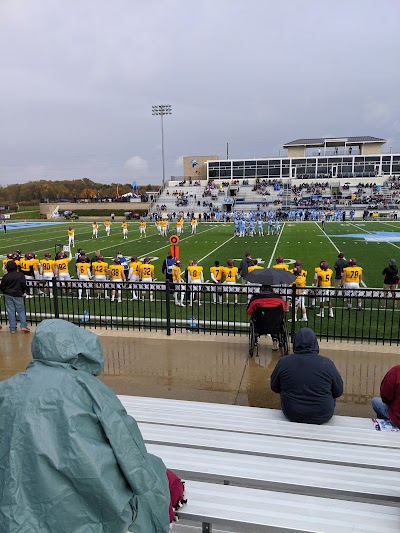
{"x":372,"y":244}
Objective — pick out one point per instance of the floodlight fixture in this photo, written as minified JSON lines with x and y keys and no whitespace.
{"x":161,"y":110}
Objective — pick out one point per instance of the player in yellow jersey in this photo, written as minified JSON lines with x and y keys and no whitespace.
{"x":351,"y":279}
{"x":84,"y":274}
{"x":280,"y":264}
{"x":179,"y":291}
{"x":107,"y":225}
{"x":124,"y":227}
{"x":217,"y":273}
{"x":47,"y":267}
{"x":193,"y":223}
{"x":142,"y":228}
{"x":195,"y":278}
{"x":134,"y":274}
{"x":71,"y":237}
{"x":26,"y":267}
{"x":147,"y":275}
{"x":99,"y":271}
{"x":95,"y":230}
{"x":62,"y":264}
{"x":254,"y":266}
{"x":5,"y":261}
{"x":117,"y":276}
{"x":179,"y":226}
{"x":164,"y":227}
{"x":230,"y":275}
{"x":315,"y":284}
{"x":158,"y":226}
{"x":300,"y":282}
{"x":325,"y":275}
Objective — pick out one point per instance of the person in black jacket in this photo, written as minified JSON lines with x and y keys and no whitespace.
{"x":13,"y":285}
{"x":391,"y":274}
{"x":307,"y":382}
{"x":244,"y":266}
{"x":340,"y":264}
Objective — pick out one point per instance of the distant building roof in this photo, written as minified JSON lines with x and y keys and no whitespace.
{"x":334,"y":141}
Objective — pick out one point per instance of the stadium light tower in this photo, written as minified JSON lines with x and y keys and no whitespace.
{"x":162,"y":110}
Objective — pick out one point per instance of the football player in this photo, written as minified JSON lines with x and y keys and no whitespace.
{"x":84,"y":274}
{"x":95,"y":230}
{"x":195,"y":277}
{"x":351,"y":279}
{"x":134,"y":273}
{"x":179,"y":291}
{"x":216,"y":272}
{"x":117,"y":276}
{"x":230,"y":276}
{"x":47,"y":267}
{"x":325,"y":275}
{"x":147,"y":275}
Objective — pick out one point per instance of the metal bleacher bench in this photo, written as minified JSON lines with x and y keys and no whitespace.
{"x":251,"y":470}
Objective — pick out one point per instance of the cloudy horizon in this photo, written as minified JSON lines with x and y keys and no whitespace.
{"x":79,"y":80}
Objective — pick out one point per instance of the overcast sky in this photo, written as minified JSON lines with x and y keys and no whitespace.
{"x":78,"y":79}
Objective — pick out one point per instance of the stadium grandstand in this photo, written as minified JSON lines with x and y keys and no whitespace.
{"x":351,"y":173}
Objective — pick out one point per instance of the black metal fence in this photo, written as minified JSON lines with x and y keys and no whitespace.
{"x":367,"y":315}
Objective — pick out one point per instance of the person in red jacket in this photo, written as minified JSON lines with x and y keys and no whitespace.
{"x":388,"y":405}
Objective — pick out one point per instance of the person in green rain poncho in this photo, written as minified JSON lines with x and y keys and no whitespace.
{"x":71,"y":459}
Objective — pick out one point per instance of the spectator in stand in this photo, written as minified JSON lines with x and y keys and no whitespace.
{"x":13,"y":285}
{"x":307,"y":382}
{"x":387,"y":406}
{"x":391,"y":274}
{"x":71,"y":458}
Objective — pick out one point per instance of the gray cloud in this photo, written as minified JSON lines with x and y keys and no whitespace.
{"x":79,"y":80}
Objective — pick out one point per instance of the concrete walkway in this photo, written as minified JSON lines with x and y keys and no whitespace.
{"x":212,"y":368}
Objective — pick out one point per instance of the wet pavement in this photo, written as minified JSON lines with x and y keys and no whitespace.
{"x":213,"y":368}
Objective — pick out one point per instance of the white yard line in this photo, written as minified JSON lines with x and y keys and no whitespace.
{"x":389,"y":224}
{"x":329,"y":239}
{"x":276,"y":245}
{"x":184,"y":239}
{"x":337,"y":249}
{"x":217,"y":248}
{"x":371,"y":233}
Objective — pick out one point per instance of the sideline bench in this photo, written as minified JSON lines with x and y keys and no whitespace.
{"x":251,"y":469}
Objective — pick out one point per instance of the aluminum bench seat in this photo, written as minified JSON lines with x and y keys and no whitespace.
{"x":270,"y":473}
{"x":246,"y":422}
{"x":252,"y":444}
{"x":248,"y":510}
{"x":168,"y":406}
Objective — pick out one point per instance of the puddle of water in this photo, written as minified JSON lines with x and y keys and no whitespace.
{"x":212,"y":370}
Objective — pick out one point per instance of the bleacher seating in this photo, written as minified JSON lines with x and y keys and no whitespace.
{"x":301,"y":192}
{"x":247,"y":467}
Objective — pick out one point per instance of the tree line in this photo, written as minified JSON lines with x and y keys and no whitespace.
{"x":53,"y":191}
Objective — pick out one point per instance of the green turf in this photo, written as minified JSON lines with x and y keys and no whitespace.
{"x":304,"y":240}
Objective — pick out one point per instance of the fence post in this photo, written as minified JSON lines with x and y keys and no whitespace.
{"x":168,"y":305}
{"x":293,"y":328}
{"x":55,"y":298}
